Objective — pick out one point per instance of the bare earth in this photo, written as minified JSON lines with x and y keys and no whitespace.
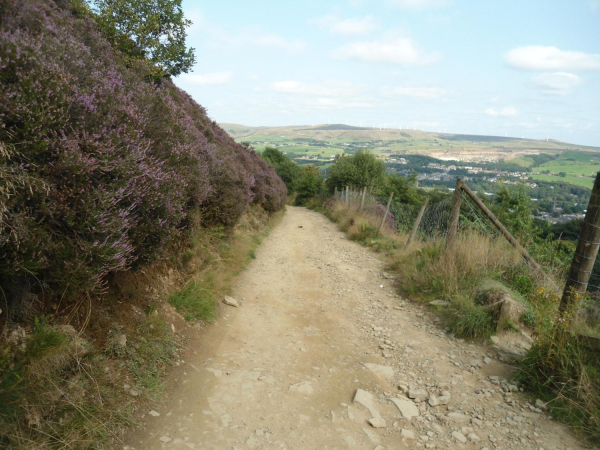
{"x":282,"y":370}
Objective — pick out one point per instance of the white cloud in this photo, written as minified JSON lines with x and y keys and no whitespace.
{"x":346,"y":27}
{"x":419,"y":92}
{"x":539,"y":57}
{"x":213,"y":78}
{"x":557,"y":83}
{"x":324,"y":89}
{"x":418,"y":4}
{"x":509,"y":111}
{"x":395,"y":51}
{"x":329,"y":94}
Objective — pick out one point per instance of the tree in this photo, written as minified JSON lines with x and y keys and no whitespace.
{"x":284,"y":166}
{"x":359,"y":170}
{"x":154,"y":30}
{"x":513,"y":209}
{"x":308,"y":184}
{"x":403,"y":187}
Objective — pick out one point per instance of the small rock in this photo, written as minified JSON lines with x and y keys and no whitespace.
{"x":439,"y":303}
{"x":459,"y":436}
{"x":377,"y":422}
{"x":165,"y":439}
{"x":122,"y":340}
{"x":407,"y":434}
{"x":441,"y":400}
{"x":418,"y":394}
{"x":134,"y":392}
{"x":407,"y":408}
{"x":495,"y":340}
{"x":367,"y":400}
{"x":540,"y":404}
{"x":154,"y":413}
{"x":473,"y":437}
{"x":230,"y":301}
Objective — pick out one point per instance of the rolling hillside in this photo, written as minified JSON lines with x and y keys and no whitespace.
{"x":328,"y":140}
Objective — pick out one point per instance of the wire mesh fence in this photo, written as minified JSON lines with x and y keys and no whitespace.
{"x":435,"y":222}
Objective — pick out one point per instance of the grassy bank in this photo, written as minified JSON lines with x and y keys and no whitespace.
{"x":62,"y":388}
{"x":471,"y":275}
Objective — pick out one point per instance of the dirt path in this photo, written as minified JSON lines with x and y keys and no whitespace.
{"x":281,"y":371}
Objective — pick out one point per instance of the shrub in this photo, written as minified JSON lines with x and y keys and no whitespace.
{"x":285,"y":167}
{"x":308,"y":185}
{"x":194,"y":302}
{"x":359,"y":170}
{"x":468,"y":320}
{"x":103,"y":169}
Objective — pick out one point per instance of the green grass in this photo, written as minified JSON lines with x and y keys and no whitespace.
{"x":51,"y":381}
{"x":468,"y":320}
{"x":577,"y":181}
{"x":152,"y":350}
{"x":194,"y":301}
{"x":523,"y":162}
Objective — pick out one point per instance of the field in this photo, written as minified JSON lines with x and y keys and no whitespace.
{"x":319,"y":144}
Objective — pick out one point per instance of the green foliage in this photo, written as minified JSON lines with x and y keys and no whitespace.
{"x":308,"y":185}
{"x":513,"y":209}
{"x":469,"y":320}
{"x":154,"y":30}
{"x":285,"y":167}
{"x":153,"y":350}
{"x":358,"y":170}
{"x":567,"y":375}
{"x":43,"y":339}
{"x":529,"y":318}
{"x":194,"y":302}
{"x":403,"y":188}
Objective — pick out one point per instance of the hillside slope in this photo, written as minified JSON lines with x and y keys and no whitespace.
{"x":347,"y":133}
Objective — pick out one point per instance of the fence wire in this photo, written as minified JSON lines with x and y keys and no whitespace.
{"x":472,"y":218}
{"x":435,"y":222}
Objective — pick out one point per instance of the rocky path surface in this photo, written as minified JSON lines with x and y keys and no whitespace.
{"x":323,"y":354}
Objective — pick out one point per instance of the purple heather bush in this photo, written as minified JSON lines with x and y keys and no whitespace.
{"x":101,"y":166}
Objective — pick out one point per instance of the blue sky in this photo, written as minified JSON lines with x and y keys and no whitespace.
{"x":524,"y":68}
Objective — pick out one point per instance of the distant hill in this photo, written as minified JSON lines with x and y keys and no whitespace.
{"x":340,"y":133}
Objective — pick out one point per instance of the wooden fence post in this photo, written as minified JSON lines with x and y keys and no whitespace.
{"x":586,"y":251}
{"x":387,"y":209}
{"x":454,"y":215}
{"x":362,"y":200}
{"x":413,"y":233}
{"x":347,"y":195}
{"x":335,"y":193}
{"x":509,"y":237}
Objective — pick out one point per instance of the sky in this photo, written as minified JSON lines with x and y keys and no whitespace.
{"x":522,"y":68}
